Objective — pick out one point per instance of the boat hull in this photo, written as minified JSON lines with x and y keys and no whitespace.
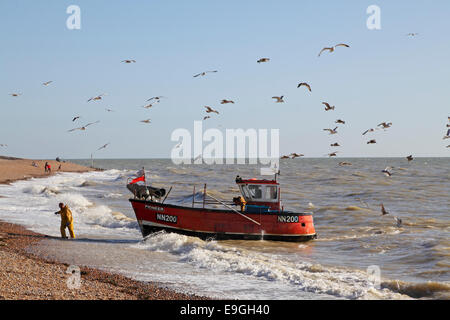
{"x":223,"y":224}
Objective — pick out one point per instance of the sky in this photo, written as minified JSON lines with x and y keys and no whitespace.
{"x":385,"y":75}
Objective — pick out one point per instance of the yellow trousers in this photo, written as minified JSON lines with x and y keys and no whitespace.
{"x":70,"y":227}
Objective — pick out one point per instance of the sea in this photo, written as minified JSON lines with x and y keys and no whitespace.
{"x":359,"y":253}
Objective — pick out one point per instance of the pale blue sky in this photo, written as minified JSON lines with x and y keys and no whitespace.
{"x":384,"y":76}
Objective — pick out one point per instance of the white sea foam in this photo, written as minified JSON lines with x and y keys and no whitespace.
{"x":306,"y":277}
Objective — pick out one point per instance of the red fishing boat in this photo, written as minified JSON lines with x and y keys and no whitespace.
{"x":256,"y":214}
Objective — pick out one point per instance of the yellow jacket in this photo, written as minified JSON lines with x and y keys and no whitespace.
{"x":66,"y":215}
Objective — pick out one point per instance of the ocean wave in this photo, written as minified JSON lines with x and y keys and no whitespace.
{"x":306,"y":277}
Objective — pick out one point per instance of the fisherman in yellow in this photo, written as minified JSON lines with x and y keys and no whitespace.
{"x":66,"y":220}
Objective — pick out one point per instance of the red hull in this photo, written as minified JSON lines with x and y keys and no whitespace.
{"x":223,"y":224}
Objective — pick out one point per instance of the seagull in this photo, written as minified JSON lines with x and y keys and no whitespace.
{"x":399,"y":222}
{"x":209,"y":110}
{"x":279,"y":99}
{"x":156,"y":98}
{"x":412,"y":34}
{"x":332,"y":131}
{"x":284,"y":157}
{"x":146,"y":121}
{"x":345,"y":163}
{"x":304,"y":84}
{"x":410,"y":158}
{"x":15,"y":94}
{"x":383,"y":210}
{"x":47,"y":83}
{"x":296,"y":155}
{"x":148,"y":106}
{"x":385,"y":125}
{"x":99,"y":97}
{"x":76,"y":118}
{"x":331,"y":49}
{"x":263,"y":60}
{"x":371,"y":141}
{"x":387,"y":172}
{"x":84,"y":127}
{"x":333,"y":154}
{"x":206,"y":117}
{"x":129,"y":61}
{"x":225,"y":101}
{"x":370,"y":130}
{"x":103,"y":147}
{"x":340,"y":121}
{"x":327,"y":106}
{"x":109,"y":110}
{"x":335,"y":145}
{"x":204,"y":73}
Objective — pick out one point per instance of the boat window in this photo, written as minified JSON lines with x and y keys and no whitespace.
{"x":255,"y":191}
{"x":271,"y":192}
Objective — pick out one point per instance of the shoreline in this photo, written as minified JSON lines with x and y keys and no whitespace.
{"x":28,"y":276}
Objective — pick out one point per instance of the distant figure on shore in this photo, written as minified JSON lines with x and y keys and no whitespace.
{"x":66,"y":221}
{"x":59,"y":168}
{"x":46,"y":167}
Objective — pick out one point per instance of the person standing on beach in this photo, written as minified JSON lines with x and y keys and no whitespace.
{"x":46,"y":167}
{"x":66,"y":220}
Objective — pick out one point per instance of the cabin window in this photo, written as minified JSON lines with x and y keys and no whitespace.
{"x":271,"y":192}
{"x":255,"y":191}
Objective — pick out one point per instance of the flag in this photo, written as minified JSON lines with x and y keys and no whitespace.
{"x":141,"y":177}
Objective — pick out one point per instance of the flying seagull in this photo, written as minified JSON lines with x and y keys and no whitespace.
{"x":304,"y":84}
{"x":371,"y":141}
{"x":156,"y":98}
{"x":103,"y":147}
{"x":76,"y":118}
{"x":333,"y":154}
{"x":385,"y":125}
{"x":279,"y":99}
{"x":146,"y":121}
{"x":206,"y":117}
{"x":204,"y":73}
{"x":99,"y":97}
{"x":284,"y":157}
{"x":15,"y":94}
{"x":225,"y":101}
{"x":209,"y":110}
{"x":129,"y":61}
{"x":411,"y":34}
{"x":263,"y":60}
{"x":331,"y":49}
{"x":84,"y":127}
{"x":47,"y":83}
{"x":370,"y":130}
{"x":335,"y":145}
{"x":410,"y":158}
{"x":340,"y":121}
{"x":109,"y":110}
{"x":387,"y":171}
{"x":399,"y":222}
{"x":332,"y":131}
{"x":148,"y":106}
{"x":296,"y":155}
{"x":327,"y":106}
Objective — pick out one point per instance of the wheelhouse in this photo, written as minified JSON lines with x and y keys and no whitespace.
{"x":260,"y":195}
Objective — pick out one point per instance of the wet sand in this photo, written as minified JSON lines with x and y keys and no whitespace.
{"x":26,"y":276}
